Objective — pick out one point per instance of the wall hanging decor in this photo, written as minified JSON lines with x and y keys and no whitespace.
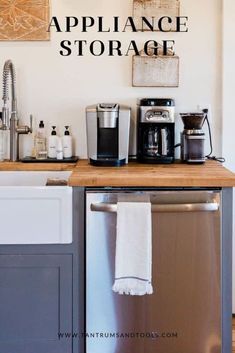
{"x":155,"y":70}
{"x":154,"y":9}
{"x":24,"y":20}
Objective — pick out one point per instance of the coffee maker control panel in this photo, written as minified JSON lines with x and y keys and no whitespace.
{"x":157,"y":116}
{"x":156,"y":110}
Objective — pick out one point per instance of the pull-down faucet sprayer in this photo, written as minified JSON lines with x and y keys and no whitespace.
{"x":11,"y":120}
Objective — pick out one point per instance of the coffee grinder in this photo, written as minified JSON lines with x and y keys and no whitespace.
{"x":193,"y":138}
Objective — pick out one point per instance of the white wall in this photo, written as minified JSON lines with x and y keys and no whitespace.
{"x":229,"y":83}
{"x":57,"y":89}
{"x":228,"y":99}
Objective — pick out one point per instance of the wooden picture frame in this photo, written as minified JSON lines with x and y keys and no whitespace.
{"x":155,"y":71}
{"x":154,"y":8}
{"x":24,"y":20}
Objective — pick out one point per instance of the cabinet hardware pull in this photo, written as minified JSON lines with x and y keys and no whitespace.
{"x":160,"y":208}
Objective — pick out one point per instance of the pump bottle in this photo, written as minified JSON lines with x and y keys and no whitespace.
{"x":67,"y":143}
{"x":52,"y":144}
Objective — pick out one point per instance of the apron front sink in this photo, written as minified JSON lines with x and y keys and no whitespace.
{"x":33,"y":213}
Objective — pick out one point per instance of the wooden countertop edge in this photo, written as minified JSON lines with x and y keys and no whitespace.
{"x":152,"y":183}
{"x":36,"y":167}
{"x":211,"y":174}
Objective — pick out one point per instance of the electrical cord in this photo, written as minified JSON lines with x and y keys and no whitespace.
{"x":209,"y":156}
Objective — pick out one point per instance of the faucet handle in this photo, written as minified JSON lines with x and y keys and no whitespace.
{"x":24,"y":130}
{"x":31,"y":124}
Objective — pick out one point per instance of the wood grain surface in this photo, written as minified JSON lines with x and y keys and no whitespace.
{"x":210,"y":174}
{"x":19,"y":166}
{"x":24,"y":20}
{"x":154,"y":8}
{"x":155,"y":71}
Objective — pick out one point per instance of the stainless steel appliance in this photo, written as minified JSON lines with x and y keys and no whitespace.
{"x":108,"y":127}
{"x":156,"y":130}
{"x":190,"y":306}
{"x":193,"y":138}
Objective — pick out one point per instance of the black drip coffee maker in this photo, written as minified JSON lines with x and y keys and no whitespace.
{"x":156,"y":130}
{"x":193,"y":138}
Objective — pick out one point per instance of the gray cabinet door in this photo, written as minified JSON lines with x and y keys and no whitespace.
{"x":35,"y":303}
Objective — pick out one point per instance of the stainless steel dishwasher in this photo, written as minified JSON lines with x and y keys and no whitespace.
{"x":184,"y":315}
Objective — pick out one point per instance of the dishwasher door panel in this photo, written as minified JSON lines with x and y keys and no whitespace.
{"x":184,"y":313}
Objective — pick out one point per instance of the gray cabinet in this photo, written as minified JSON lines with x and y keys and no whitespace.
{"x":35,"y":303}
{"x":42,"y":293}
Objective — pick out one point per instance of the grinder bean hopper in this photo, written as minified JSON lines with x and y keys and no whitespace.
{"x":193,"y":138}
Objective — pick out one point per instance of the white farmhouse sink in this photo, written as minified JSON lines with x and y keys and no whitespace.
{"x":30,"y":178}
{"x":33,"y":213}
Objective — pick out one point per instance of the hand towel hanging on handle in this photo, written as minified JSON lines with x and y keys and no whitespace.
{"x":133,"y":263}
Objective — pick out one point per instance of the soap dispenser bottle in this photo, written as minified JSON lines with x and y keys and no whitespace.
{"x":67,"y":143}
{"x":59,"y":149}
{"x":52,"y":144}
{"x":41,"y":149}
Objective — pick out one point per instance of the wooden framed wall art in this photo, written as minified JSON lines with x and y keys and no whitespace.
{"x":155,"y":71}
{"x":154,"y":8}
{"x":24,"y":20}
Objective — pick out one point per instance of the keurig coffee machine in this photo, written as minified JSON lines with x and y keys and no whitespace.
{"x":156,"y":130}
{"x":108,"y":127}
{"x":193,"y":138}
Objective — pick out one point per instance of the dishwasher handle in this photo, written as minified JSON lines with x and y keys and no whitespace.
{"x":160,"y":208}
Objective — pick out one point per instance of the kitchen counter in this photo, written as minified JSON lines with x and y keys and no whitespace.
{"x":19,"y":166}
{"x":210,"y":174}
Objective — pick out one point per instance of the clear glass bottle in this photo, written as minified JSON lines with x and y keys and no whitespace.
{"x":40,"y":142}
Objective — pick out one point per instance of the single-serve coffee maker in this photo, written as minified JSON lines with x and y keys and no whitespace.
{"x":108,"y":128}
{"x":156,"y":130}
{"x":193,"y":138}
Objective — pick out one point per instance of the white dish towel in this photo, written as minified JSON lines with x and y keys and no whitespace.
{"x":133,"y":263}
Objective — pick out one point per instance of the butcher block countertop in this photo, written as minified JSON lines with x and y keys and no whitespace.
{"x":210,"y":174}
{"x":32,"y":167}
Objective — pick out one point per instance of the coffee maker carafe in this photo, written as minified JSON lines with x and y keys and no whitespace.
{"x":193,"y":138}
{"x":156,"y":130}
{"x":108,"y":127}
